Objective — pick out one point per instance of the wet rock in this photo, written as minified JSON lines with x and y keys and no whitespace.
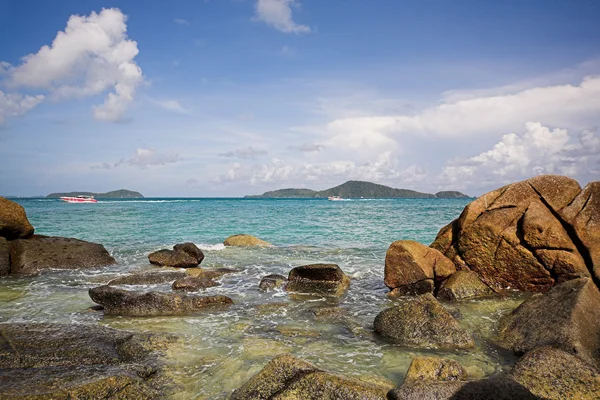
{"x":550,"y":373}
{"x":13,"y":221}
{"x":413,"y":267}
{"x":516,"y":237}
{"x":463,"y":285}
{"x":434,"y":369}
{"x":293,"y":331}
{"x":272,"y":281}
{"x":417,"y":288}
{"x":30,"y":256}
{"x":327,"y":312}
{"x":191,"y":249}
{"x":172,"y":258}
{"x":142,"y":304}
{"x":567,"y":317}
{"x":255,"y":348}
{"x":287,"y":377}
{"x":318,"y":279}
{"x":148,"y":278}
{"x":212,"y":273}
{"x":245,"y":241}
{"x":422,"y":322}
{"x":193,"y":283}
{"x":4,"y":257}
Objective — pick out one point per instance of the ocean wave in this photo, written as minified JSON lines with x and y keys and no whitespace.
{"x":211,"y":247}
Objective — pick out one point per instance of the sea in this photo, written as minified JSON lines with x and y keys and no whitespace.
{"x":216,"y":352}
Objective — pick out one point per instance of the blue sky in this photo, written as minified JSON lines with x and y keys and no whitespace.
{"x":234,"y":97}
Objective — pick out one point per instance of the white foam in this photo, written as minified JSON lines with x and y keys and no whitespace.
{"x":211,"y":247}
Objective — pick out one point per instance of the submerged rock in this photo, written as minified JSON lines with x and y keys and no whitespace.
{"x":243,"y":240}
{"x":142,"y":304}
{"x":286,"y":377}
{"x":422,"y":322}
{"x":550,"y":373}
{"x":413,"y":268}
{"x":272,"y":281}
{"x":434,"y":369}
{"x":521,"y":236}
{"x":318,"y":279}
{"x":191,"y":249}
{"x":148,"y":278}
{"x":30,"y":256}
{"x":13,"y":221}
{"x":4,"y":257}
{"x":172,"y":258}
{"x":567,"y":317}
{"x":463,"y":285}
{"x":193,"y":283}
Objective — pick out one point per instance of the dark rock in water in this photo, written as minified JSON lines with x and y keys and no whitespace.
{"x":434,"y":369}
{"x":492,"y":388}
{"x":30,"y":256}
{"x":13,"y":221}
{"x":415,"y":289}
{"x":193,"y":283}
{"x":144,"y":304}
{"x":4,"y":257}
{"x":422,"y":322}
{"x":525,"y":235}
{"x":272,"y":281}
{"x":567,"y":317}
{"x":243,"y":240}
{"x":148,"y":278}
{"x":551,"y":373}
{"x":463,"y":285}
{"x":327,"y":312}
{"x":412,"y":267}
{"x":79,"y":361}
{"x":191,"y":249}
{"x":172,"y":258}
{"x":318,"y":279}
{"x":288,"y":377}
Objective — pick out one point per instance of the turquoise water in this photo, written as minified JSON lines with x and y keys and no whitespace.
{"x":219,"y":351}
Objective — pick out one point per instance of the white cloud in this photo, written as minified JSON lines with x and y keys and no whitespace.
{"x":278,"y":14}
{"x":15,"y":104}
{"x":307,"y":147}
{"x":92,"y":55}
{"x":143,"y":158}
{"x":245,"y":153}
{"x":181,"y":21}
{"x":170,"y":105}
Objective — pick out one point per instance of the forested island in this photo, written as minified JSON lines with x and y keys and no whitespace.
{"x":115,"y":194}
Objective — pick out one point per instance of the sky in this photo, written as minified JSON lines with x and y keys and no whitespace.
{"x":215,"y":98}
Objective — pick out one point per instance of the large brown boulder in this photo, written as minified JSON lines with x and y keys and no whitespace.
{"x":516,"y":237}
{"x":172,"y":258}
{"x":193,"y":283}
{"x":425,"y":369}
{"x":13,"y":221}
{"x":501,"y":388}
{"x":144,"y":304}
{"x":413,"y":268}
{"x":30,"y":256}
{"x":463,"y":285}
{"x":4,"y":257}
{"x":567,"y":317}
{"x":318,"y":279}
{"x":286,"y":377}
{"x":422,"y":322}
{"x":243,"y":240}
{"x":272,"y":281}
{"x":191,"y":249}
{"x":553,"y":374}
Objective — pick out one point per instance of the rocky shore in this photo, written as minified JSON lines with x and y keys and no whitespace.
{"x":540,"y":236}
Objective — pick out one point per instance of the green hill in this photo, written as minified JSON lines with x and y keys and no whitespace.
{"x":115,"y":194}
{"x":451,"y":194}
{"x":287,"y":193}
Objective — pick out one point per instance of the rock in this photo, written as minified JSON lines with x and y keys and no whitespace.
{"x":245,"y":241}
{"x":550,"y":373}
{"x":191,"y":249}
{"x":172,"y":258}
{"x":517,"y":237}
{"x":583,"y":216}
{"x":142,"y":304}
{"x":193,"y":283}
{"x":212,"y":273}
{"x":566,"y":317}
{"x":4,"y":257}
{"x":327,"y":312}
{"x":30,"y":256}
{"x":286,"y":377}
{"x":434,"y":369}
{"x":318,"y":279}
{"x":408,"y":263}
{"x":148,"y":278}
{"x":78,"y":361}
{"x":463,"y":285}
{"x":422,"y":322}
{"x":13,"y":221}
{"x":272,"y":281}
{"x":417,"y":288}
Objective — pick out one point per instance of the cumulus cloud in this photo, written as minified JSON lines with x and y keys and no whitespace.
{"x":91,"y":56}
{"x":278,"y":14}
{"x":307,"y":147}
{"x":143,"y":158}
{"x":15,"y":104}
{"x":245,"y":153}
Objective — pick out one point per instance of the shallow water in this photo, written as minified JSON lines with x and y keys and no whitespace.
{"x":219,"y":351}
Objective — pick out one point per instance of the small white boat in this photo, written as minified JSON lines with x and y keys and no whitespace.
{"x":334,"y":198}
{"x":79,"y":199}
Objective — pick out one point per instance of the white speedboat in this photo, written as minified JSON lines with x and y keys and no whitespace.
{"x":334,"y":198}
{"x":79,"y":199}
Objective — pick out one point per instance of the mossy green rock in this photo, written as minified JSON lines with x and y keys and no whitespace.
{"x":193,"y":283}
{"x":243,"y":240}
{"x":172,"y":258}
{"x":434,"y":369}
{"x":148,"y":278}
{"x":463,"y":285}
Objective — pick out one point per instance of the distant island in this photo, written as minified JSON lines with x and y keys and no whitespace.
{"x":115,"y":194}
{"x":359,"y":189}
